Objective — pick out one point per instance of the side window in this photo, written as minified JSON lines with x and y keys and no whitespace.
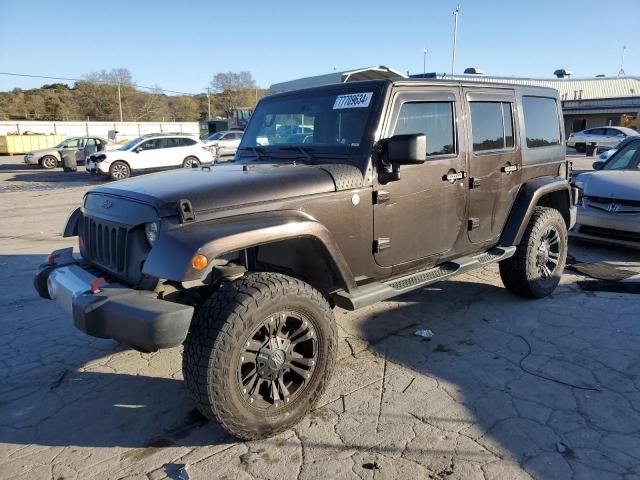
{"x":492,"y":126}
{"x":187,"y":142}
{"x":91,"y":142}
{"x":150,"y":144}
{"x":614,"y":132}
{"x":73,"y":143}
{"x":434,"y":119}
{"x":598,"y":131}
{"x":541,"y":121}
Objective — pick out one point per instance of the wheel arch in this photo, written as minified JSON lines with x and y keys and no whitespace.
{"x":279,"y":240}
{"x":554,"y":192}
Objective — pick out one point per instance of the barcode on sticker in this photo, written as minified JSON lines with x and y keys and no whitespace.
{"x":353,"y":100}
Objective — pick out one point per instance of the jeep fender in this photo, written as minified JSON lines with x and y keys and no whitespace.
{"x":71,"y":227}
{"x":171,"y":257}
{"x":547,"y":191}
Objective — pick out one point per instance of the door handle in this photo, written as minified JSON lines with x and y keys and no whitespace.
{"x":510,"y":168}
{"x":453,"y":176}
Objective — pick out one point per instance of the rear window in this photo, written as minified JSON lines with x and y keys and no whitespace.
{"x":541,"y":121}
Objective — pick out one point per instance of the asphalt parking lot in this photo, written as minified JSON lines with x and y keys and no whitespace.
{"x":505,"y":389}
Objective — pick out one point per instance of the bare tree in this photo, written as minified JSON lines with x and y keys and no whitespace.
{"x":234,"y":90}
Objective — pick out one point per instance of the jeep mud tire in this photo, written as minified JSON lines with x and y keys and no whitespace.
{"x":535,"y":270}
{"x":259,"y":354}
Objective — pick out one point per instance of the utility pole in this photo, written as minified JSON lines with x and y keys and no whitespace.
{"x":424,"y":61}
{"x":455,"y":39}
{"x":119,"y":99}
{"x":621,"y":72}
{"x":209,"y":102}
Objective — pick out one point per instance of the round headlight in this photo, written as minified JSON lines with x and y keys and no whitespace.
{"x":151,"y":231}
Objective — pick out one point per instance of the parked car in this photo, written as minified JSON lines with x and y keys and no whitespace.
{"x":52,"y":157}
{"x":609,"y":205}
{"x":599,"y":136}
{"x":243,"y":264}
{"x":606,"y":153}
{"x":224,"y":143}
{"x":154,"y":151}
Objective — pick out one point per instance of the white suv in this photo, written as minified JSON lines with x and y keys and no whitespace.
{"x":152,"y":151}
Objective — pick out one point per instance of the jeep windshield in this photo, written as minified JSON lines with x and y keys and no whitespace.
{"x":321,"y":121}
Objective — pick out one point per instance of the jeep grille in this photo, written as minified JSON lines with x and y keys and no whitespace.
{"x":104,"y":244}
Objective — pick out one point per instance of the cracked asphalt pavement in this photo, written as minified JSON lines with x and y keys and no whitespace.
{"x":506,"y":388}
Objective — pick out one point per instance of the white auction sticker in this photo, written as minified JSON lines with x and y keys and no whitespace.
{"x":353,"y":100}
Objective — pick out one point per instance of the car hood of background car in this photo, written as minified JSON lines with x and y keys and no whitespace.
{"x":44,"y":151}
{"x":617,"y":184}
{"x":222,"y":186}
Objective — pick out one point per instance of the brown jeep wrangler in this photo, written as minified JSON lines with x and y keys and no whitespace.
{"x":341,"y":195}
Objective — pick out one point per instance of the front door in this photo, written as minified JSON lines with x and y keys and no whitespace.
{"x":494,"y":162}
{"x":423,"y":214}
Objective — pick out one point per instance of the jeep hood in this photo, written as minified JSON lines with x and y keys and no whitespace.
{"x":616,"y":184}
{"x":222,"y":186}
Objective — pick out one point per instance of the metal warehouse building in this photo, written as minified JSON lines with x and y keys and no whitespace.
{"x":588,"y":102}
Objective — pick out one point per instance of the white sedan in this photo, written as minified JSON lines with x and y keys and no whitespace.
{"x":150,"y":152}
{"x":224,"y":143}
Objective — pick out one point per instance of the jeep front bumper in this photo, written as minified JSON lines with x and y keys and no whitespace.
{"x":109,"y":310}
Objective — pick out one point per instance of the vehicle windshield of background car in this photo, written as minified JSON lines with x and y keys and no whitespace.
{"x":628,"y":158}
{"x":319,"y":119}
{"x":131,"y":143}
{"x":215,"y":136}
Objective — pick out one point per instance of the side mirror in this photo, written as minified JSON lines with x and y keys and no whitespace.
{"x":598,"y":164}
{"x":138,"y":149}
{"x":407,"y":149}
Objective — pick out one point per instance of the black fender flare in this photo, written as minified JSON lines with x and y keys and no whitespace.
{"x":171,"y":257}
{"x":71,"y":227}
{"x":528,"y":198}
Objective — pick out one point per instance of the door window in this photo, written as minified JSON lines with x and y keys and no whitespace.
{"x":169,"y":142}
{"x":541,"y":121}
{"x":151,"y":144}
{"x":492,"y":126}
{"x":598,"y":131}
{"x":186,"y":142}
{"x":434,"y":119}
{"x":72,"y":143}
{"x":614,"y":132}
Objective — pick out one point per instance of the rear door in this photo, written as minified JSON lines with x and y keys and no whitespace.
{"x":494,"y":162}
{"x":421,"y":216}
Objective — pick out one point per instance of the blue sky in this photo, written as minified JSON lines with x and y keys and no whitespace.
{"x":179,"y":45}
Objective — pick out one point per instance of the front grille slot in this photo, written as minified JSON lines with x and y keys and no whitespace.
{"x":104,"y":244}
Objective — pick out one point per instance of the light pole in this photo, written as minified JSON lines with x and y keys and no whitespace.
{"x":455,"y":38}
{"x":424,"y":61}
{"x":621,"y":72}
{"x":209,"y":103}
{"x":119,"y":99}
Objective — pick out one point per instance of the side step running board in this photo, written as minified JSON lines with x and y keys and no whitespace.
{"x":378,"y":291}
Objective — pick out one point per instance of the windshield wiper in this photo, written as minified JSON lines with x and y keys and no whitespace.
{"x":299,"y":148}
{"x":258,"y":152}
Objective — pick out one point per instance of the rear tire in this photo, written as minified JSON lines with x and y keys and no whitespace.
{"x":259,"y":354}
{"x":536,"y":268}
{"x":190,"y":162}
{"x":119,"y":171}
{"x":48,"y":162}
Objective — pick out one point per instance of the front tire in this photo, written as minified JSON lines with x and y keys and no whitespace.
{"x":191,"y":162}
{"x":119,"y":171}
{"x":581,"y":147}
{"x":260,"y":353}
{"x":48,"y":162}
{"x":536,"y":268}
